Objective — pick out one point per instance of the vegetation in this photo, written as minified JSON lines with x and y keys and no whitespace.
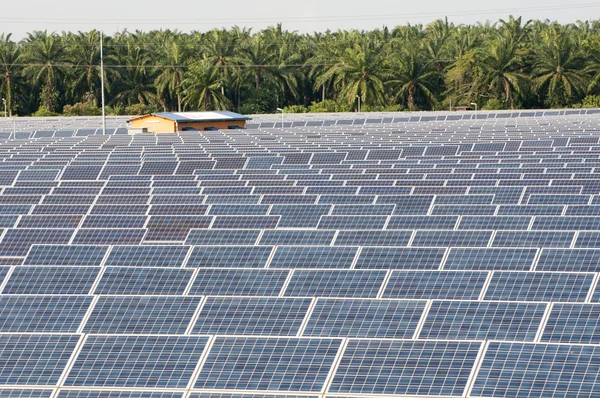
{"x":509,"y":64}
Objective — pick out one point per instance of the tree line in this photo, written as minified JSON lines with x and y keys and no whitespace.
{"x":508,"y":64}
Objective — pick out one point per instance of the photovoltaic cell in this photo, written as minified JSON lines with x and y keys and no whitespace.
{"x":537,"y":370}
{"x":136,"y":361}
{"x":400,"y":258}
{"x":51,"y":280}
{"x":397,"y":367}
{"x":34,"y":359}
{"x":447,"y":285}
{"x":364,"y":318}
{"x":473,"y":320}
{"x":239,"y":282}
{"x":251,"y":316}
{"x":147,"y":256}
{"x":143,"y":281}
{"x":229,"y":256}
{"x":141,"y":315}
{"x":268,"y":364}
{"x":490,"y":259}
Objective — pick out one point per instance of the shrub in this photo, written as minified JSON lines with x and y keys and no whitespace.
{"x":81,"y":109}
{"x":139,"y":109}
{"x":591,"y":101}
{"x":295,"y":109}
{"x":43,"y":112}
{"x":328,"y":106}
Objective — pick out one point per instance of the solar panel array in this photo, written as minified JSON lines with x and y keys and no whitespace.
{"x":446,"y":255}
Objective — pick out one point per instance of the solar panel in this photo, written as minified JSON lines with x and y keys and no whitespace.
{"x":143,"y":281}
{"x":364,"y":318}
{"x":34,"y":359}
{"x":268,"y":364}
{"x":239,"y":282}
{"x":136,"y":361}
{"x":259,"y":316}
{"x":539,"y":286}
{"x":472,"y":320}
{"x":313,"y":257}
{"x":400,"y":258}
{"x":522,"y":370}
{"x":490,"y":259}
{"x":51,"y":280}
{"x":335,"y":283}
{"x":448,"y":285}
{"x":42,"y":314}
{"x":65,"y":255}
{"x":229,"y":256}
{"x":397,"y":367}
{"x":141,"y":315}
{"x":147,"y":256}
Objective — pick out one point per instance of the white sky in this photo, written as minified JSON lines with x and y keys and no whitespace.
{"x":20,"y":17}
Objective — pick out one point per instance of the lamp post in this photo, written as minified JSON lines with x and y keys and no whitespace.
{"x":281,"y":110}
{"x":4,"y":102}
{"x":472,"y":103}
{"x":358,"y":97}
{"x":102,"y":83}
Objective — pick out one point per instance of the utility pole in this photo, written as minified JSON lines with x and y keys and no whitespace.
{"x":358,"y":97}
{"x":282,"y":111}
{"x":102,"y":83}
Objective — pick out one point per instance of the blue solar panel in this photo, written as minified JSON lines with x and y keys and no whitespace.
{"x":268,"y":364}
{"x":449,"y":285}
{"x":34,"y":359}
{"x":526,"y":370}
{"x":136,"y":361}
{"x":365,"y":318}
{"x":397,"y":367}
{"x":472,"y":320}
{"x":144,"y":281}
{"x":313,"y":257}
{"x":539,"y":286}
{"x":251,"y":316}
{"x":141,"y":315}
{"x":335,"y":283}
{"x":400,"y":258}
{"x":229,"y":256}
{"x":239,"y":282}
{"x":65,"y":255}
{"x":490,"y":259}
{"x":148,"y":256}
{"x":51,"y":280}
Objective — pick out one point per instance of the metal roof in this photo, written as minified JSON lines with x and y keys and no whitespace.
{"x":183,"y":117}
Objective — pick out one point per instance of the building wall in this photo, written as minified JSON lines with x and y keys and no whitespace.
{"x":224,"y":125}
{"x":154,"y":124}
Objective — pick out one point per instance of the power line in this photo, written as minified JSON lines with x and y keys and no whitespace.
{"x":237,"y":21}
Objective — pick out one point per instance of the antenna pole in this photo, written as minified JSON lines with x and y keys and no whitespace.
{"x":102,"y":83}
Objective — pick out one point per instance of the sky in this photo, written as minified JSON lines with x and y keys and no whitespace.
{"x":304,"y":16}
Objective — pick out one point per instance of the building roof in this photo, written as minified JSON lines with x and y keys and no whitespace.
{"x":183,"y":117}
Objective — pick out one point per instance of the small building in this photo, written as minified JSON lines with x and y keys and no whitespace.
{"x":172,"y":122}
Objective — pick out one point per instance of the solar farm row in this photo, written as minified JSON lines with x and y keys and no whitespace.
{"x":449,"y":256}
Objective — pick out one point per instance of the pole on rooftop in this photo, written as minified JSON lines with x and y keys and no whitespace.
{"x":102,"y":83}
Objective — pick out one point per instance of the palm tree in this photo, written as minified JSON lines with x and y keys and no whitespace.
{"x":221,"y":48}
{"x":558,"y":67}
{"x":84,"y":51}
{"x":47,"y":61}
{"x":136,"y":82}
{"x":172,"y":57}
{"x":359,"y":73}
{"x":201,"y":87}
{"x":500,"y":73}
{"x":413,"y":75}
{"x":9,"y":56}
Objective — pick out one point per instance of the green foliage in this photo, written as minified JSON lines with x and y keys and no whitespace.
{"x":261,"y":101}
{"x":140,"y":109}
{"x":295,"y":109}
{"x":81,"y":109}
{"x":494,"y":105}
{"x":508,"y":64}
{"x":591,"y":101}
{"x":328,"y":106}
{"x":43,"y":112}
